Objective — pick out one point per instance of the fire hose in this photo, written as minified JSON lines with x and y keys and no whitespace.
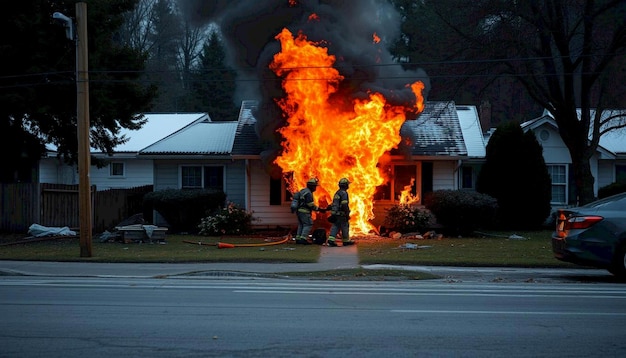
{"x":225,"y":245}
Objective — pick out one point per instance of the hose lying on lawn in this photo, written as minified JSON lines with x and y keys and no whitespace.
{"x":225,"y":245}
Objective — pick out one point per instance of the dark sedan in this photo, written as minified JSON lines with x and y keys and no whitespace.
{"x":593,"y":234}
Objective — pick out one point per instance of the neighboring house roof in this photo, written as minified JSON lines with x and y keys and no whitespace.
{"x":204,"y":137}
{"x":199,"y":138}
{"x":613,"y":142}
{"x":156,"y":127}
{"x":436,"y":131}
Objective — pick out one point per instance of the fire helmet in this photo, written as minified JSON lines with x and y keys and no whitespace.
{"x":344,"y":181}
{"x":312,"y":181}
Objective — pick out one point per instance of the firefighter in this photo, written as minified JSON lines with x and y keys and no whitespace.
{"x":305,"y":207}
{"x":340,"y":209}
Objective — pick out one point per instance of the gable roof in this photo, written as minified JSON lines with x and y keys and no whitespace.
{"x":202,"y":137}
{"x":436,"y":131}
{"x":156,"y":127}
{"x":613,"y":142}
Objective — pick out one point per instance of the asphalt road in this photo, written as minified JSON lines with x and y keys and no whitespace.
{"x":264,"y":317}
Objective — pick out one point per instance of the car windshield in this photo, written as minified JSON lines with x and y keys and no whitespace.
{"x":616,"y":202}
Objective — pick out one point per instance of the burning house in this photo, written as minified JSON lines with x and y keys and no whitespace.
{"x":331,"y":100}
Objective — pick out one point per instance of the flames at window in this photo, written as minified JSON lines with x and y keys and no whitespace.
{"x":330,"y":134}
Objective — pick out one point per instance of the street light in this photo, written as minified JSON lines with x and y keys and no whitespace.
{"x":82,"y":115}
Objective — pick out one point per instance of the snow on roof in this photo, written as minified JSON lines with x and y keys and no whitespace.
{"x":157,"y":127}
{"x":472,"y":131}
{"x":202,"y":137}
{"x":613,"y":141}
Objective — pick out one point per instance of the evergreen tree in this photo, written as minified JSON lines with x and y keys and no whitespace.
{"x":214,"y":82}
{"x":515,"y":174}
{"x":38,"y":89}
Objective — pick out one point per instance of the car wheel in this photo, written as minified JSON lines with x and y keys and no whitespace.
{"x":618,"y":268}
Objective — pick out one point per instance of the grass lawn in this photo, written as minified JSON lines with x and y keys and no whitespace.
{"x":495,"y":249}
{"x":175,"y":249}
{"x":492,"y":250}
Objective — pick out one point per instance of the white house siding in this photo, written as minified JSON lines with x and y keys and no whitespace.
{"x":264,"y":213}
{"x":137,"y":172}
{"x":54,"y":171}
{"x":606,"y":173}
{"x":554,"y":150}
{"x":444,"y":176}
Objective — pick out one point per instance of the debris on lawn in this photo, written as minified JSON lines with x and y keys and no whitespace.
{"x":429,"y":235}
{"x":36,"y":230}
{"x":412,"y":246}
{"x":42,"y":233}
{"x":135,"y":230}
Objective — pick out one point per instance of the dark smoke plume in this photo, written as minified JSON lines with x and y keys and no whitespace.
{"x":347,"y":27}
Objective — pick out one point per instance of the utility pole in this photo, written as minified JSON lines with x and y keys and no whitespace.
{"x":82,"y":120}
{"x":84,"y":152}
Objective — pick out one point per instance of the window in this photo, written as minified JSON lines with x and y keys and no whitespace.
{"x":467,"y":177}
{"x":191,"y":177}
{"x":276,"y":188}
{"x":404,"y":176}
{"x":620,"y":173}
{"x":558,"y":175}
{"x":208,"y":177}
{"x":116,"y":169}
{"x":404,"y":179}
{"x":214,"y":177}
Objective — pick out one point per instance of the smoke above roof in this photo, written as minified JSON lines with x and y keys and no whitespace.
{"x":346,"y":28}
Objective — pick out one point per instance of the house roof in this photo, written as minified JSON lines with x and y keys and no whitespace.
{"x":472,"y":131}
{"x":246,"y":138}
{"x":156,"y":127}
{"x":436,"y":131}
{"x":199,"y":138}
{"x":613,"y":142}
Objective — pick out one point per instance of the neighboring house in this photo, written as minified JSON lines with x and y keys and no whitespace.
{"x":608,"y":165}
{"x":124,"y":169}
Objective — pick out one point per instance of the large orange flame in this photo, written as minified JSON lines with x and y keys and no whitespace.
{"x":330,"y":138}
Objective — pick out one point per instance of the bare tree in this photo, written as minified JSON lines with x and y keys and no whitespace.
{"x":138,"y":26}
{"x":568,"y":54}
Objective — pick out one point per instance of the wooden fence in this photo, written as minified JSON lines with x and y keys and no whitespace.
{"x":56,"y":205}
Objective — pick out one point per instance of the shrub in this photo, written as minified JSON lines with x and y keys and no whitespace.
{"x":231,"y":220}
{"x":408,"y":218}
{"x":516,"y":175}
{"x":183,"y":209}
{"x":461,"y":212}
{"x":611,"y":189}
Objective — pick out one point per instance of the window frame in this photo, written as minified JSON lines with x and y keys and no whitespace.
{"x":564,"y":185}
{"x":199,"y":179}
{"x":390,"y":187}
{"x":112,"y":172}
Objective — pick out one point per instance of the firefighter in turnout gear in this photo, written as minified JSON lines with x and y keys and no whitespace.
{"x":305,"y":207}
{"x":340,"y":209}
